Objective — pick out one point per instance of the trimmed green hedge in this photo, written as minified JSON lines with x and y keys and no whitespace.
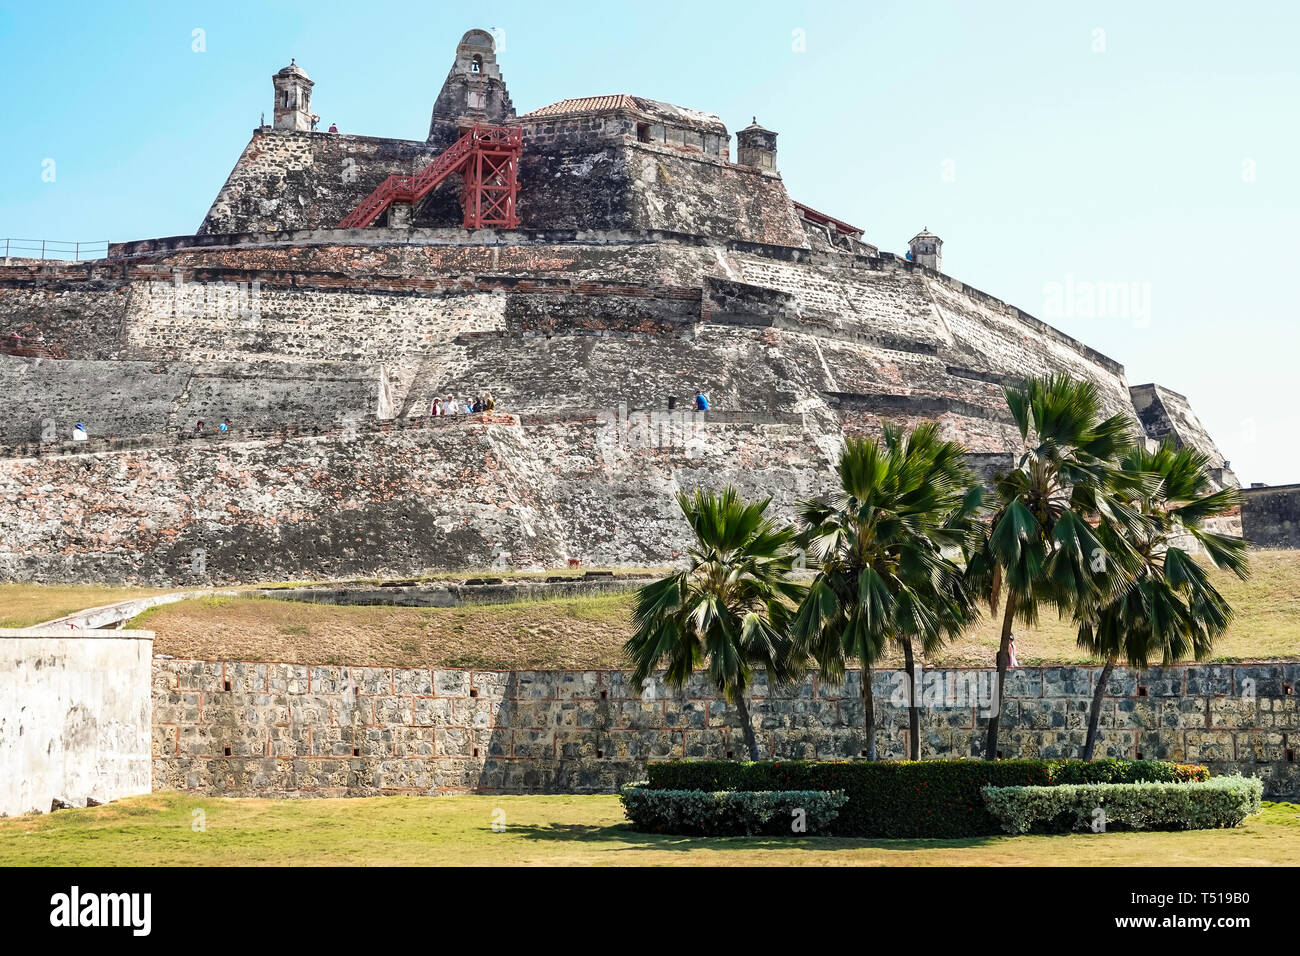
{"x":1126,"y":771}
{"x":928,"y":798}
{"x":1222,"y":802}
{"x":731,"y":812}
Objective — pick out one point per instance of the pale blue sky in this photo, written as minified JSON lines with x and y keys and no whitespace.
{"x":1161,"y":154}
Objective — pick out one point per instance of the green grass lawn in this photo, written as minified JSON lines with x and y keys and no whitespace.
{"x":157,"y":830}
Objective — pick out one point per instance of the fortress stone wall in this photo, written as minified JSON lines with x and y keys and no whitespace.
{"x":388,"y":502}
{"x":542,"y":321}
{"x":321,"y":335}
{"x":251,"y":729}
{"x":646,"y":265}
{"x":1270,"y":516}
{"x":288,"y":179}
{"x":45,"y":398}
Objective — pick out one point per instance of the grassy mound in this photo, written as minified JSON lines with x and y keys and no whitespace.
{"x":589,"y":632}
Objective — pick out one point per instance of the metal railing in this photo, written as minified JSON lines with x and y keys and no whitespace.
{"x":54,"y":249}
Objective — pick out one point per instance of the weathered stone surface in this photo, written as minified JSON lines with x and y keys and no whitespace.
{"x":75,"y":723}
{"x":1270,"y":516}
{"x":410,"y":731}
{"x":801,"y":352}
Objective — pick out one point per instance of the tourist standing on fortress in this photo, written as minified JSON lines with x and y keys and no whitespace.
{"x":489,"y":403}
{"x":79,"y":433}
{"x":701,"y":402}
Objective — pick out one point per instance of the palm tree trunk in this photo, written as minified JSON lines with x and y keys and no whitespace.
{"x":869,"y":712}
{"x":913,"y":709}
{"x":1004,"y":655}
{"x":1094,"y":715}
{"x":746,"y":726}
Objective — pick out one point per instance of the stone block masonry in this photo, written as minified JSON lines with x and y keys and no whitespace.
{"x":1270,"y":516}
{"x":43,"y":398}
{"x":233,"y":728}
{"x":459,"y":493}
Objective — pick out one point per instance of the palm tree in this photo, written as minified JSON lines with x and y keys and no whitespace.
{"x":730,"y":607}
{"x":1039,"y":546}
{"x":1172,"y":611}
{"x":881,"y":573}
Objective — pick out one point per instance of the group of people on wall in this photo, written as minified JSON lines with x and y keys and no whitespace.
{"x":450,"y":405}
{"x":441,"y":407}
{"x":81,"y":433}
{"x":484,"y":402}
{"x":223,"y":426}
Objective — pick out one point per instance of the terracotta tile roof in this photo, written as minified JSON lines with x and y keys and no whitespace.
{"x":588,"y":104}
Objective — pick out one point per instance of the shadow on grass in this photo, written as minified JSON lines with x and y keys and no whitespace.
{"x":637,"y":840}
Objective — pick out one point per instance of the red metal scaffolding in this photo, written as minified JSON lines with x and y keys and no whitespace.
{"x":487,"y":156}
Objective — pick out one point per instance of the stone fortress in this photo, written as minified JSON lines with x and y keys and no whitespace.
{"x":618,"y":262}
{"x":641,"y":262}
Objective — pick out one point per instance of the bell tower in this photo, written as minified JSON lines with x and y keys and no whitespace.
{"x":474,"y":91}
{"x":293,"y":98}
{"x":927,"y":249}
{"x":756,"y":146}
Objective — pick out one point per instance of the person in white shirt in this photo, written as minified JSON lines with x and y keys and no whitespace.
{"x":79,"y":433}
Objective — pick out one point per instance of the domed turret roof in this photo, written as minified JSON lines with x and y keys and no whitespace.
{"x":293,"y":69}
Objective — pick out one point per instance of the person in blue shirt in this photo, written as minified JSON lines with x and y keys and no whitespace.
{"x":701,"y":403}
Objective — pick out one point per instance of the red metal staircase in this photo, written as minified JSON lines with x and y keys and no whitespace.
{"x":488,"y":156}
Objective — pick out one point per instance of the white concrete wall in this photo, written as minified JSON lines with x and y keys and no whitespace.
{"x":75,"y":713}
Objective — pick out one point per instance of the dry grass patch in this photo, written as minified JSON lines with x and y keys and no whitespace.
{"x":586,"y":633}
{"x":1267,"y":625}
{"x":573,"y":633}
